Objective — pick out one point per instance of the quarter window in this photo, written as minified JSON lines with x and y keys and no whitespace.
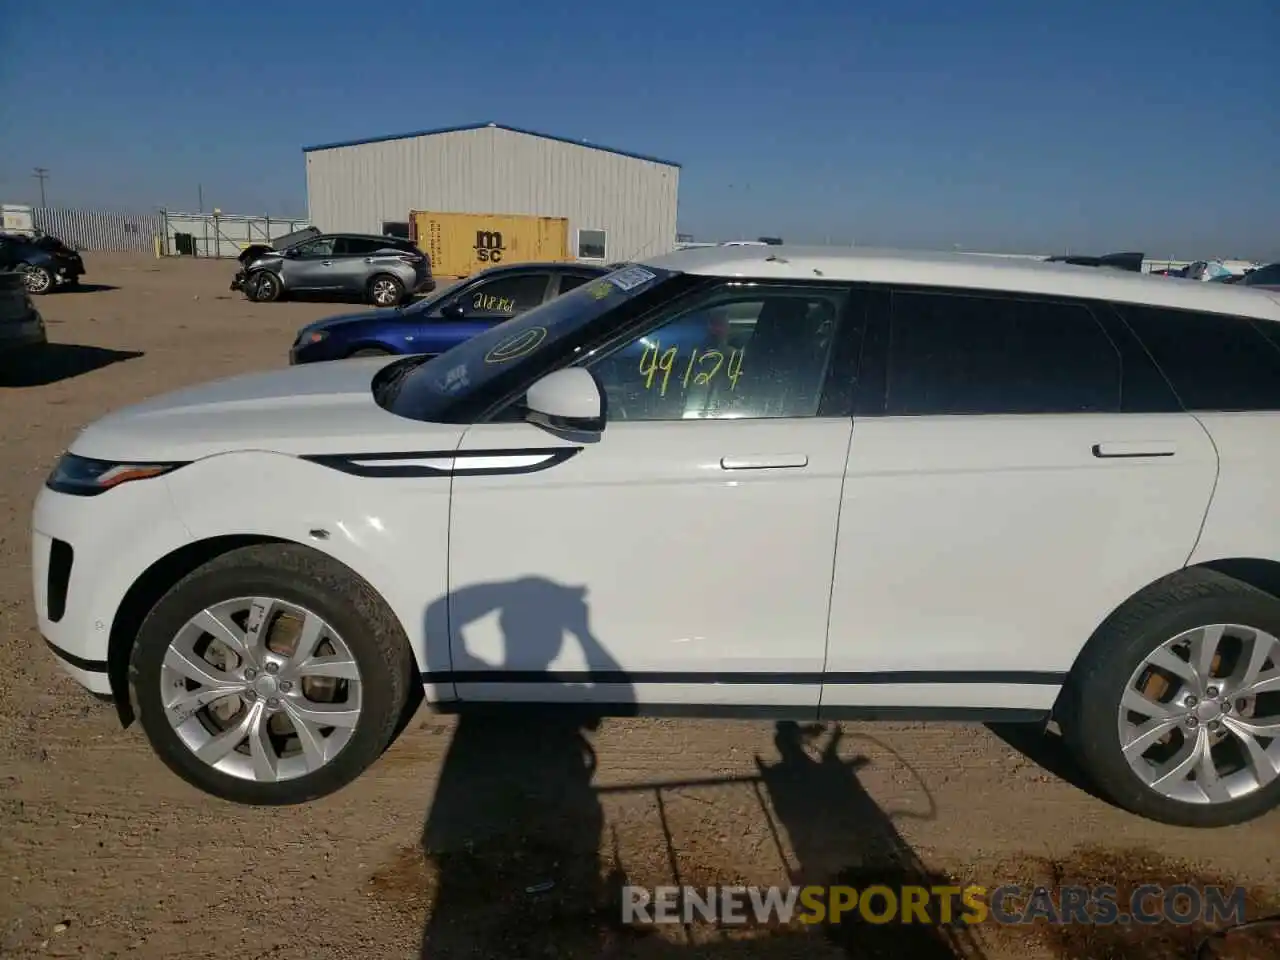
{"x":737,"y":353}
{"x":591,"y":244}
{"x":1215,"y":362}
{"x":960,"y":354}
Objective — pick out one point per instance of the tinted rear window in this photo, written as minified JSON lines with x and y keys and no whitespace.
{"x":965,"y":354}
{"x":1214,"y":361}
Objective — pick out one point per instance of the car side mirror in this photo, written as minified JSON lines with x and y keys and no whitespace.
{"x":567,"y":401}
{"x":453,"y":311}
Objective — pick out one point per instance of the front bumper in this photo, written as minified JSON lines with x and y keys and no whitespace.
{"x":86,"y":552}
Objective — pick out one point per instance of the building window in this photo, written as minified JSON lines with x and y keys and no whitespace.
{"x":591,"y":244}
{"x":394,"y":228}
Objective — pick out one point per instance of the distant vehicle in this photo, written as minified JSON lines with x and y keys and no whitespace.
{"x":1264,"y":278}
{"x":382,"y":270}
{"x":45,"y":261}
{"x":21,"y":326}
{"x":1120,"y":261}
{"x":442,"y":321}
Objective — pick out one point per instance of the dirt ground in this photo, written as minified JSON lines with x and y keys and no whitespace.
{"x":104,"y":853}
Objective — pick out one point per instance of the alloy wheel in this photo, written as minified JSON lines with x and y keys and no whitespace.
{"x":261,"y":689}
{"x":1199,"y":720}
{"x":37,"y":279}
{"x":384,"y":292}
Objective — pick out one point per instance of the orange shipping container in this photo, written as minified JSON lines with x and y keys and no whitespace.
{"x":460,"y":244}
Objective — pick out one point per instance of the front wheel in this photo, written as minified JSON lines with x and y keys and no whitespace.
{"x":263,"y":287}
{"x":271,"y":675}
{"x":385,"y":291}
{"x":37,"y":280}
{"x":1174,"y":706}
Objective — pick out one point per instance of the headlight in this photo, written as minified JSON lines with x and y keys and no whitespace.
{"x":310,"y":336}
{"x":86,"y":478}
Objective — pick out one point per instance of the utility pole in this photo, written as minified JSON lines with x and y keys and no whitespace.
{"x":41,"y":174}
{"x":200,"y":195}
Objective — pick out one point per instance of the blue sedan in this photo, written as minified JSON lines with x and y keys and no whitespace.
{"x":446,"y":318}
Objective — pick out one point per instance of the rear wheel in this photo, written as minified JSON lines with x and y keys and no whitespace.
{"x":1174,"y":707}
{"x":385,"y":291}
{"x":263,"y":287}
{"x":369,"y":352}
{"x":272,"y":675}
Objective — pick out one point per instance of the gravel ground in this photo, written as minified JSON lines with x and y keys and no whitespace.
{"x":106,"y":854}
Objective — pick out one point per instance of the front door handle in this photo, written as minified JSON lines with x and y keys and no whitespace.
{"x":326,"y":263}
{"x":1124,"y":449}
{"x":765,"y":462}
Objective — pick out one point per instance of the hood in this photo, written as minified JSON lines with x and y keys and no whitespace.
{"x":308,"y":409}
{"x":344,"y":318}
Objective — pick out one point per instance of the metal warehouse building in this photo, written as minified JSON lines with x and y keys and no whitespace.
{"x":619,"y":205}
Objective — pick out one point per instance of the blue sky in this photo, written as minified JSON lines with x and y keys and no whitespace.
{"x":1017,"y":126}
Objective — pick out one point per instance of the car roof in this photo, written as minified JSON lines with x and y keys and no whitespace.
{"x":968,"y":271}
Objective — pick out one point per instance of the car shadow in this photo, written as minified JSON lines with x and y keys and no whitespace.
{"x":53,"y":362}
{"x":512,"y":839}
{"x":1048,"y":750}
{"x":87,"y":288}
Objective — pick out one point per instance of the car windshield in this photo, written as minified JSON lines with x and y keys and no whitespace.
{"x":490,"y":361}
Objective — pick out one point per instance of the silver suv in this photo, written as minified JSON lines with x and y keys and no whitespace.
{"x":382,"y":270}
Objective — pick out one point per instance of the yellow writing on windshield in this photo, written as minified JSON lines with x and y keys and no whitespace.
{"x":699,"y":368}
{"x":517,"y":345}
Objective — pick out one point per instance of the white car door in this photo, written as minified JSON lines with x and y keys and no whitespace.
{"x":1027,"y":470}
{"x":685,"y":558}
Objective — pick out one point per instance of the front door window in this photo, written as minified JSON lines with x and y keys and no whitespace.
{"x":735,"y":354}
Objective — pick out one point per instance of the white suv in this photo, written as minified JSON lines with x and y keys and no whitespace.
{"x":729,"y":481}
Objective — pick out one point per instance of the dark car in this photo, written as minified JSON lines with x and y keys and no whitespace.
{"x":45,"y":262}
{"x":454,"y":314}
{"x":384,"y":271}
{"x":1263,"y":278}
{"x":21,"y":326}
{"x":1120,"y":261}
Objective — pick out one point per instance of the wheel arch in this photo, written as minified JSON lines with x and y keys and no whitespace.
{"x":154,"y":583}
{"x":1260,"y":573}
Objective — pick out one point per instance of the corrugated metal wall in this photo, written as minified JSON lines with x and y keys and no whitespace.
{"x":493,"y":170}
{"x":224,"y":235}
{"x":98,"y":229}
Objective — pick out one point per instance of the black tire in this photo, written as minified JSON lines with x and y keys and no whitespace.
{"x":1089,"y":708}
{"x":369,"y":352}
{"x":384,"y":281}
{"x":263,"y":287}
{"x":37,"y":280}
{"x":299,"y":575}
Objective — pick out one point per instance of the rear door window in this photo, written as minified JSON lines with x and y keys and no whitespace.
{"x":955,"y":353}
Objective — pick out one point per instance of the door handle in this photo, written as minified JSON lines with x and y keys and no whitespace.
{"x":326,"y":263}
{"x":1124,"y":449}
{"x":765,"y":462}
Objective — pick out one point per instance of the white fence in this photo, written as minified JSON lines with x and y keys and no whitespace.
{"x":220,"y":234}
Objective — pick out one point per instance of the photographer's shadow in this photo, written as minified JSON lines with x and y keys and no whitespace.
{"x":514,"y":829}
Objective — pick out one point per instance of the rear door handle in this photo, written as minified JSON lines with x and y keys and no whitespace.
{"x":765,"y":462}
{"x":326,"y":263}
{"x":1120,"y":449}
